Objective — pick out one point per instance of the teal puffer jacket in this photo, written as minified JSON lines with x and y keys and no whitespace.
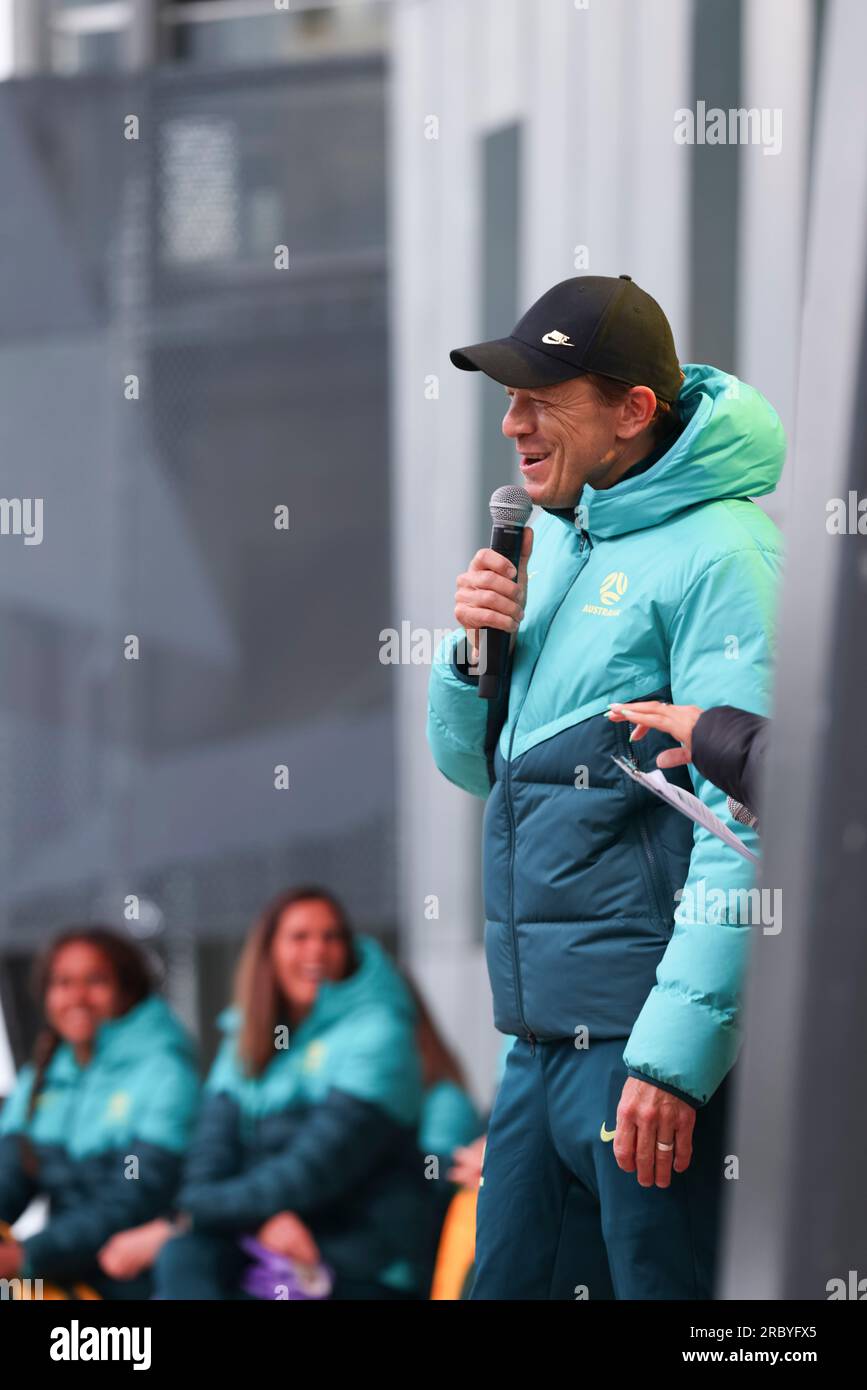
{"x":329,"y":1131}
{"x":599,"y":898}
{"x":108,"y":1138}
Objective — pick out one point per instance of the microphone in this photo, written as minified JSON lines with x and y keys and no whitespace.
{"x":742,"y":814}
{"x":510,"y":512}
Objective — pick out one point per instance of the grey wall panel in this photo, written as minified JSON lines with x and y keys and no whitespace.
{"x":798,"y":1218}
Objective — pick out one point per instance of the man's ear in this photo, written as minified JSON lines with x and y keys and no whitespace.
{"x":637,"y":411}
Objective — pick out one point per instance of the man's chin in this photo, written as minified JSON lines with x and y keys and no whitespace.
{"x":538,"y":492}
{"x":544,"y":495}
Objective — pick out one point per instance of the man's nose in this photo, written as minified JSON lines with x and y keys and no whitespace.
{"x":516,"y":420}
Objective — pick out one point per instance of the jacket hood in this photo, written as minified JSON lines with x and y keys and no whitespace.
{"x":149,"y":1027}
{"x":732,"y":445}
{"x":376,"y":981}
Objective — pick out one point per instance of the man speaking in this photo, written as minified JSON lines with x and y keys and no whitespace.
{"x":653,"y":578}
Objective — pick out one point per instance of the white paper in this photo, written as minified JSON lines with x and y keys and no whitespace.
{"x":687,"y":804}
{"x":7,"y":1066}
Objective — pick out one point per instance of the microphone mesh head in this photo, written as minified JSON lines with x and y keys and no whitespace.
{"x":511,"y":506}
{"x":742,"y":814}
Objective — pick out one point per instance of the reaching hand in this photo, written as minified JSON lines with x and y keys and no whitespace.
{"x":677,"y":720}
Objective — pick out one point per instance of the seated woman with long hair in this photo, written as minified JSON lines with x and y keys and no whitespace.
{"x":99,"y":1121}
{"x":307,"y":1145}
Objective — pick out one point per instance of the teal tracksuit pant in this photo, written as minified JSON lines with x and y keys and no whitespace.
{"x":557,"y":1218}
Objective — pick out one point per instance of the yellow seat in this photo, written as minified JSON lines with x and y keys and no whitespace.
{"x":457,"y":1247}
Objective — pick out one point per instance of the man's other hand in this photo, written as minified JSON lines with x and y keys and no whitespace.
{"x":647,"y":1115}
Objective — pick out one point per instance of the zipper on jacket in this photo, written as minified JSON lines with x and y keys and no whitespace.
{"x":507,"y":792}
{"x":651,"y":859}
{"x":631,"y":756}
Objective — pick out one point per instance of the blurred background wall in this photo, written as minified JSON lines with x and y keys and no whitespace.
{"x":258,"y":387}
{"x":431,"y":166}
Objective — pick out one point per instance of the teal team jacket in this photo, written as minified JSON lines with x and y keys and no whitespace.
{"x":329,"y":1131}
{"x":599,"y":898}
{"x":108,"y":1138}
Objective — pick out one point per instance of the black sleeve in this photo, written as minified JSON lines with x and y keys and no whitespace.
{"x":728,"y":748}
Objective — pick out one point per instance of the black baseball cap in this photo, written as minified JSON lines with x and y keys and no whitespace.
{"x":591,"y":323}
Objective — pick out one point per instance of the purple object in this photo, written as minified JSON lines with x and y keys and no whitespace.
{"x":276,"y":1277}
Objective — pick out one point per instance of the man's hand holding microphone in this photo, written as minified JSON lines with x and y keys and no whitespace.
{"x":493,"y":594}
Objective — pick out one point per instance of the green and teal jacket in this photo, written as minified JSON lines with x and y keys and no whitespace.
{"x":108,"y":1138}
{"x":329,"y":1131}
{"x":606,"y":909}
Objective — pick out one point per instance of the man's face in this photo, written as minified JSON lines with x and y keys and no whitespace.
{"x":576,"y":437}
